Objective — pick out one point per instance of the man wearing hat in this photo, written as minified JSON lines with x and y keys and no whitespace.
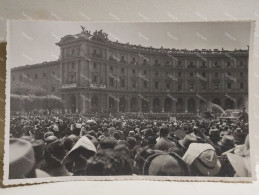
{"x":243,"y":116}
{"x":202,"y":159}
{"x":163,"y":142}
{"x":164,"y":164}
{"x":226,"y":143}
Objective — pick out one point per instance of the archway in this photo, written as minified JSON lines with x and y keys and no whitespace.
{"x":145,"y":106}
{"x":122,"y":104}
{"x":191,"y":105}
{"x":156,"y":105}
{"x":72,"y":103}
{"x":179,"y":105}
{"x":168,"y":105}
{"x":94,"y":103}
{"x":229,"y":104}
{"x":134,"y":104}
{"x":112,"y":105}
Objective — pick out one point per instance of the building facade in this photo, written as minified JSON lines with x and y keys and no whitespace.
{"x":94,"y":74}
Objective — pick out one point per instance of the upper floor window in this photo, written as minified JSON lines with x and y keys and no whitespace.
{"x":44,"y":74}
{"x":134,"y":84}
{"x":156,"y":73}
{"x":111,"y":82}
{"x":203,"y":74}
{"x":111,"y":69}
{"x":53,"y":89}
{"x":145,"y":84}
{"x":73,"y":52}
{"x":229,"y":85}
{"x":216,"y":65}
{"x":133,"y":71}
{"x":144,"y":61}
{"x":73,"y":65}
{"x":191,"y":74}
{"x":242,"y":64}
{"x":203,"y":65}
{"x":122,"y":71}
{"x":156,"y":84}
{"x":95,"y":65}
{"x":228,"y":64}
{"x":122,"y":81}
{"x":179,"y":74}
{"x":241,"y":85}
{"x":94,"y":78}
{"x":167,"y":85}
{"x":216,"y":75}
{"x":145,"y":72}
{"x":123,"y":59}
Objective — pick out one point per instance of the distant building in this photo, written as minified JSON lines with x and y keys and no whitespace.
{"x":94,"y":74}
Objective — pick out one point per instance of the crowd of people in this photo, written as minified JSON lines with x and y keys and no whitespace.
{"x":76,"y":145}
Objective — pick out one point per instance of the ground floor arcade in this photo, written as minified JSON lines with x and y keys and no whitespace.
{"x":105,"y":102}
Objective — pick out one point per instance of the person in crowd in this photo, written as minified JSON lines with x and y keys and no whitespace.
{"x":163,"y":142}
{"x":132,"y":143}
{"x":202,"y":160}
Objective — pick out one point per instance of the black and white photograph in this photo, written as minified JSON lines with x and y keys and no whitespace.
{"x":135,"y":99}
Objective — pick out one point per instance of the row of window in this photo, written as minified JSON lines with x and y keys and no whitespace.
{"x":35,"y":76}
{"x":191,"y":74}
{"x":204,"y":85}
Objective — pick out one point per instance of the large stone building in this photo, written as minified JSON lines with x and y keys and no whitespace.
{"x":94,"y":74}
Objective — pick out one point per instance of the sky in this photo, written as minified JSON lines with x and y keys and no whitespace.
{"x":31,"y":42}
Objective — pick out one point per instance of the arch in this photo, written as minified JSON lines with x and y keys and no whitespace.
{"x":156,"y":105}
{"x":191,"y":105}
{"x":94,"y":103}
{"x":168,"y":105}
{"x":134,"y":104}
{"x":229,"y":104}
{"x":145,"y":105}
{"x":179,"y":105}
{"x":122,"y":104}
{"x":72,"y":103}
{"x":216,"y":106}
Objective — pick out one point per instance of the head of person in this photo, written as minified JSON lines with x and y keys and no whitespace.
{"x":54,"y":154}
{"x":107,"y":143}
{"x":165,"y":164}
{"x":164,"y":131}
{"x":202,"y":159}
{"x":109,"y":162}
